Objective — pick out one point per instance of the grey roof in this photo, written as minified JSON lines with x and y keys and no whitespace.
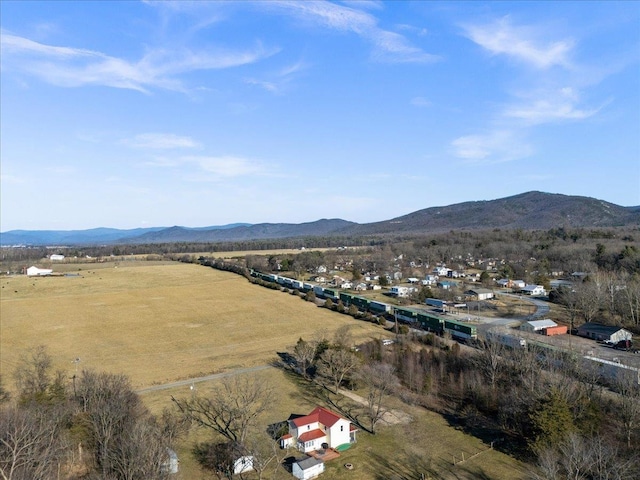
{"x":308,"y":462}
{"x":599,"y":328}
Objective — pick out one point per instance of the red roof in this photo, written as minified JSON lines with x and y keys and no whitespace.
{"x":312,"y":435}
{"x":319,"y":414}
{"x":286,"y":436}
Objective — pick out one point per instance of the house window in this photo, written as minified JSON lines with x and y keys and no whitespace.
{"x":342,"y":428}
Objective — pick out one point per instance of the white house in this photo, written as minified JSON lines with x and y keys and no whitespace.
{"x":307,"y":468}
{"x":38,"y":272}
{"x":533,"y":290}
{"x":56,"y":257}
{"x":441,"y":271}
{"x":430,"y":280}
{"x":401,"y":291}
{"x":518,"y":284}
{"x":321,"y":426}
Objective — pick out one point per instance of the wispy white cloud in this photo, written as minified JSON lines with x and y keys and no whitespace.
{"x":160,"y":141}
{"x":279,"y":81}
{"x":11,"y":179}
{"x":493,"y":147}
{"x":420,"y":102}
{"x":158,"y":68}
{"x":551,"y":106}
{"x":524,"y":43}
{"x":389,"y":46}
{"x":226,"y":166}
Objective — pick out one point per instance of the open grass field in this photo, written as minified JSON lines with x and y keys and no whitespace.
{"x":155,"y":322}
{"x":426,"y":445}
{"x":161,"y":322}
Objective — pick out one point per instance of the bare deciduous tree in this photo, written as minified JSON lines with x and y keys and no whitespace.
{"x":232,"y":410}
{"x":379,"y":380}
{"x":336,"y":364}
{"x":32,"y":444}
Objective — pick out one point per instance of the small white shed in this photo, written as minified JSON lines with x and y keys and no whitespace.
{"x":307,"y":468}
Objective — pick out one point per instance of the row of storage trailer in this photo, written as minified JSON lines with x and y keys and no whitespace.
{"x":416,"y":317}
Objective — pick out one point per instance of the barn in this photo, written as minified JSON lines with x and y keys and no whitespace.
{"x":604,"y":333}
{"x":538,"y":326}
{"x":480,"y":293}
{"x":34,"y":271}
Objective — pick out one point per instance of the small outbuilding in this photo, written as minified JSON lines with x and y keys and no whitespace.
{"x":604,"y":333}
{"x":538,"y":326}
{"x":480,"y":293}
{"x":38,"y":272}
{"x":307,"y":468}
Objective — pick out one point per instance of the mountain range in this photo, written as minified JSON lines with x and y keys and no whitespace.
{"x":531,"y":210}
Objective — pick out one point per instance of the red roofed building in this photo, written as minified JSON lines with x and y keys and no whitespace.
{"x":310,"y":432}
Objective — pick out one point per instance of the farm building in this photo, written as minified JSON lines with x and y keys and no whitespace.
{"x":533,"y":290}
{"x":538,"y":326}
{"x":604,"y":333}
{"x":38,"y":272}
{"x":321,"y":426}
{"x":480,"y":293}
{"x":56,"y":257}
{"x":307,"y":468}
{"x":559,"y":330}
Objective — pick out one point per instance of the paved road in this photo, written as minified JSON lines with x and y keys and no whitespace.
{"x":192,"y":381}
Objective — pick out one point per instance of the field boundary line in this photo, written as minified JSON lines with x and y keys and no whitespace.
{"x":206,"y":378}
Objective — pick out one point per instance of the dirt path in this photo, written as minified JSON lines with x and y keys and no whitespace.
{"x":392,"y":417}
{"x":192,"y":381}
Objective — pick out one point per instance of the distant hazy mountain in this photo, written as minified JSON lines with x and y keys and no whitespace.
{"x":94,"y":236}
{"x":245,"y":232}
{"x":531,"y":210}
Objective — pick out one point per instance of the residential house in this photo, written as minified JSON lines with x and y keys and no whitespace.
{"x":319,"y":428}
{"x":517,"y":284}
{"x":533,"y":290}
{"x":401,"y":291}
{"x":440,"y":271}
{"x":604,"y":333}
{"x":430,"y":280}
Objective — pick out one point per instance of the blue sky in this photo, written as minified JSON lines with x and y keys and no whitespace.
{"x":135,"y":114}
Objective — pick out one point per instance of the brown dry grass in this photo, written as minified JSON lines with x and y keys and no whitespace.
{"x":161,"y":322}
{"x":156,"y":323}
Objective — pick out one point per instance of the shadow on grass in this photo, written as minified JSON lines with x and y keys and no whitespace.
{"x":308,"y":390}
{"x":413,"y":467}
{"x":490,"y":434}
